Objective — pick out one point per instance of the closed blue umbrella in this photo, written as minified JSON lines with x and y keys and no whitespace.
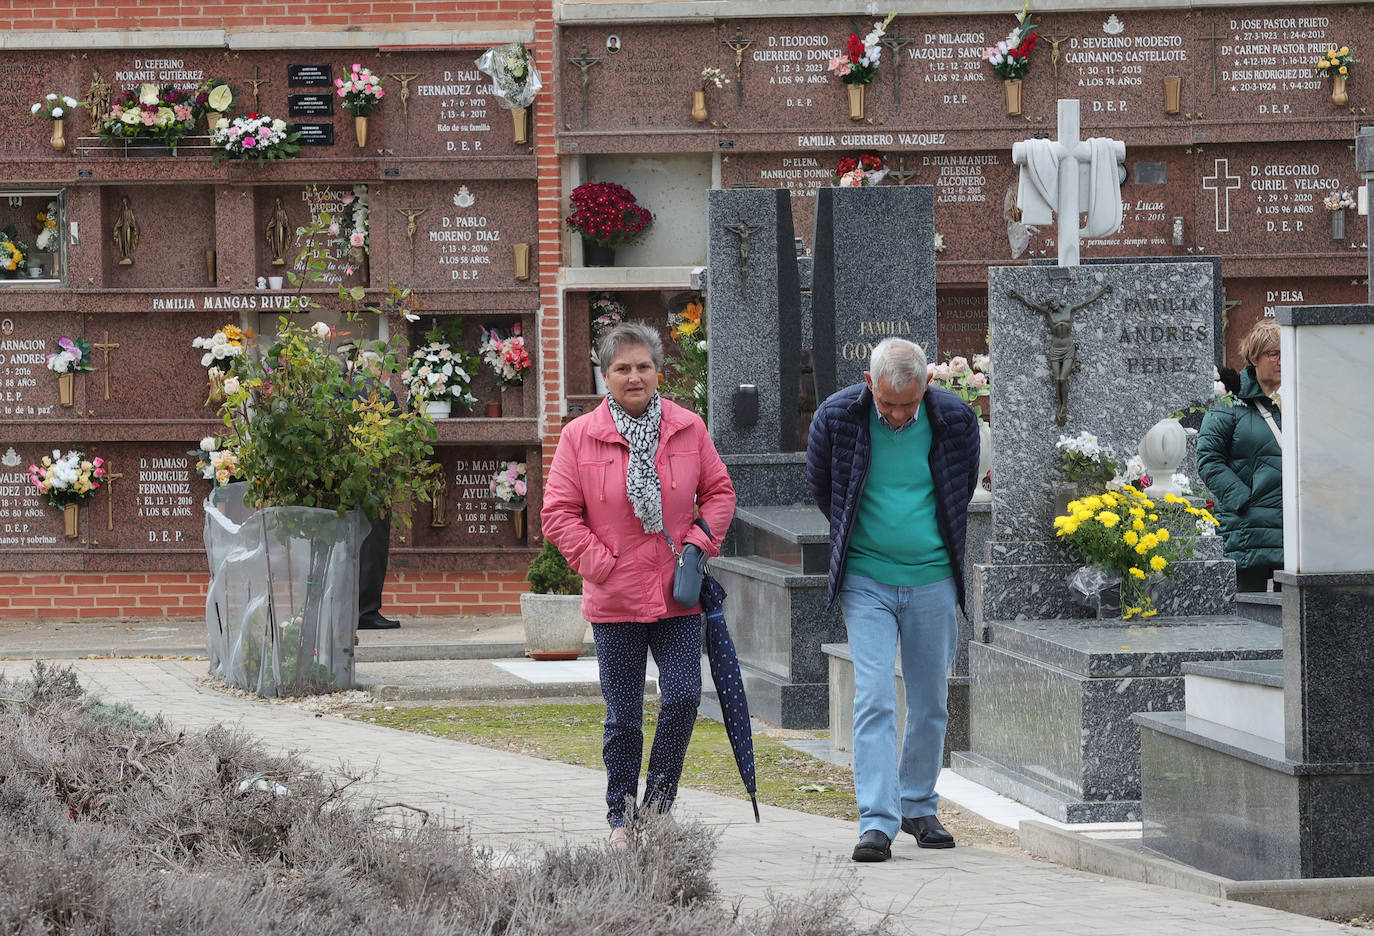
{"x":725,"y":673}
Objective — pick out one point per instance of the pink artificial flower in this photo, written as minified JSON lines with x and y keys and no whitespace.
{"x":249,"y":142}
{"x":333,"y":229}
{"x":338,"y":82}
{"x":521,"y":488}
{"x":356,"y":240}
{"x":181,"y":112}
{"x":347,"y":198}
{"x":381,"y":93}
{"x":978,"y":380}
{"x":147,"y":118}
{"x":356,"y":68}
{"x":958,"y":364}
{"x":341,"y":92}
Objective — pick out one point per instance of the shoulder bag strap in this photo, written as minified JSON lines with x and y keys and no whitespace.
{"x":1269,"y":418}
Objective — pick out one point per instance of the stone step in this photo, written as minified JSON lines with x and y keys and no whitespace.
{"x":1240,"y":695}
{"x":797,"y":536}
{"x":1265,"y":607}
{"x":842,"y":703}
{"x":1038,"y":795}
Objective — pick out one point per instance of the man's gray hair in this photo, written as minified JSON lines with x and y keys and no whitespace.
{"x":900,"y":361}
{"x":630,"y":335}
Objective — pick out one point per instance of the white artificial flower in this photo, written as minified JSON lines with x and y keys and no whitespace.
{"x":52,"y":97}
{"x":207,"y":359}
{"x":71,"y":102}
{"x":58,"y":112}
{"x":279,"y":126}
{"x":147,"y":94}
{"x":36,"y":108}
{"x":411,"y":316}
{"x":231,"y":385}
{"x":321,"y":330}
{"x":208,"y":443}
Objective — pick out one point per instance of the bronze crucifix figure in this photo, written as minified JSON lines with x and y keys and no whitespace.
{"x":1063,"y":351}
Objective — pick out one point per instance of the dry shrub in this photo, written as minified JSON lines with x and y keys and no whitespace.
{"x":113,"y":823}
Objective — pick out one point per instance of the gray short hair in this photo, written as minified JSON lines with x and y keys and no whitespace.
{"x":630,"y":335}
{"x":900,"y":361}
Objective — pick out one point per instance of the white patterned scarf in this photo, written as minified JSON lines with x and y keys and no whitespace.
{"x":642,"y":483}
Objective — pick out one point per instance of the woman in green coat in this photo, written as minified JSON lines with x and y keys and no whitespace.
{"x":1240,"y":459}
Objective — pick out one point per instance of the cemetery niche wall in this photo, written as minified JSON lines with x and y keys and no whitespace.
{"x":134,"y":246}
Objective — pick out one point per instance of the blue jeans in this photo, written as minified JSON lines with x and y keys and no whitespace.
{"x":922,"y":617}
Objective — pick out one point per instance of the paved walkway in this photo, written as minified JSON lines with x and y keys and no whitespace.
{"x":503,"y":798}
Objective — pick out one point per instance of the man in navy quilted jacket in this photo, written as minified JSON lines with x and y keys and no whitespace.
{"x":893,"y":463}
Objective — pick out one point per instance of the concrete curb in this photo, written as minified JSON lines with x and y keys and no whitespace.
{"x":1324,"y":898}
{"x":386,"y":653}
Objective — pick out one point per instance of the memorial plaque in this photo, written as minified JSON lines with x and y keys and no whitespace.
{"x":961,"y":318}
{"x":309,"y":105}
{"x":460,"y":235}
{"x":310,"y":76}
{"x":313,"y":134}
{"x":1252,"y":300}
{"x":446,"y":108}
{"x":302,"y":204}
{"x":28,"y":390}
{"x":471,"y":519}
{"x":27,"y":523}
{"x":155,"y":503}
{"x":149,"y":366}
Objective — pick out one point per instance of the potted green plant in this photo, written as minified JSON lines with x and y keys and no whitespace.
{"x":552,"y":609}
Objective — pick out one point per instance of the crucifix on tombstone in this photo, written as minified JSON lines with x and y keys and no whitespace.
{"x":106,"y":347}
{"x":584,"y":62}
{"x":256,"y":81}
{"x":737,"y":45}
{"x":743,"y":230}
{"x":110,"y":478}
{"x":895,"y":43}
{"x":1054,"y":51}
{"x":405,"y":79}
{"x":1067,"y":176}
{"x":1214,"y":39}
{"x":411,"y":228}
{"x":1063,"y":351}
{"x":901,"y":173}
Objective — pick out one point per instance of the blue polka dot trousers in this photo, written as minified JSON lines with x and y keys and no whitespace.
{"x":621,"y":654}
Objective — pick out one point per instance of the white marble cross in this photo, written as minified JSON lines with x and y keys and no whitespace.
{"x":1068,"y":176}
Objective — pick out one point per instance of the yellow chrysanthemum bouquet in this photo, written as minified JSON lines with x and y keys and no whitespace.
{"x":1128,"y":536}
{"x":1335,"y":63}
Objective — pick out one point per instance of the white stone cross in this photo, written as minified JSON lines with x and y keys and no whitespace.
{"x":1068,"y":176}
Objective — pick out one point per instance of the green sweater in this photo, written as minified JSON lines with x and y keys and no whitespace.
{"x":896,"y":538}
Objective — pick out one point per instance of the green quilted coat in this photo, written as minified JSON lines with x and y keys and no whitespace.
{"x":1241,"y":462}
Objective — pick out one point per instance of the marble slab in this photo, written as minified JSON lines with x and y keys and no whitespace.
{"x":1328,"y":443}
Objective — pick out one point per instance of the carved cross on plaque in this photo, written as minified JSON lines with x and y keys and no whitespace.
{"x":110,"y":478}
{"x":895,"y":43}
{"x":743,"y":230}
{"x":256,"y":81}
{"x":901,"y":173}
{"x":584,"y":62}
{"x":106,"y":347}
{"x":1212,"y":59}
{"x":411,"y":228}
{"x":1063,"y":351}
{"x":405,"y":80}
{"x":737,"y":45}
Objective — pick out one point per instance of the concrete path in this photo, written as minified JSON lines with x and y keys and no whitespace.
{"x":506,"y":799}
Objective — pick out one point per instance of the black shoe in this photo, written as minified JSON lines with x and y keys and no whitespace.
{"x":874,"y":845}
{"x":928,"y":831}
{"x":378,"y":623}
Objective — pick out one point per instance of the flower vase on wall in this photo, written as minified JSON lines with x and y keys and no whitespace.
{"x":357,"y":258}
{"x":66,"y":389}
{"x":1012,"y":87}
{"x":59,"y":142}
{"x":1339,"y":96}
{"x":699,"y":113}
{"x":856,"y":101}
{"x":517,"y":519}
{"x":438,"y":409}
{"x":1338,"y":224}
{"x":494,"y":409}
{"x":71,"y":520}
{"x":520,"y":124}
{"x":360,"y":131}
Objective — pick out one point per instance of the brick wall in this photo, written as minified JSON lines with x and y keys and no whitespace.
{"x":77,"y":595}
{"x":72,"y":595}
{"x":265,"y":14}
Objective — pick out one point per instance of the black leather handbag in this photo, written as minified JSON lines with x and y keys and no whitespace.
{"x":689,"y":570}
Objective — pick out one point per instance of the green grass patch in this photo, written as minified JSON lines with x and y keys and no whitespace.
{"x":571,"y":734}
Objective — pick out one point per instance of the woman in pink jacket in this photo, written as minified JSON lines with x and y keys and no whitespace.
{"x":626,"y":478}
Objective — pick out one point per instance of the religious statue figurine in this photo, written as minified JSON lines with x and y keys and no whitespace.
{"x":98,"y":101}
{"x":277,"y":228}
{"x":126,"y":233}
{"x":1063,"y":350}
{"x":438,"y":508}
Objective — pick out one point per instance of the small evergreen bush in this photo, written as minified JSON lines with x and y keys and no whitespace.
{"x":550,"y":574}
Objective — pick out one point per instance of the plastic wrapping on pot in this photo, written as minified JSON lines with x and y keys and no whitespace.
{"x":501,"y":64}
{"x":282,"y":608}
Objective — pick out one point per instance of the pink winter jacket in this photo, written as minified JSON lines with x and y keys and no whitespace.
{"x":627,"y":574}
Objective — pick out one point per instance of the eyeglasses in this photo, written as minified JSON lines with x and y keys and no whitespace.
{"x":1272,"y":354}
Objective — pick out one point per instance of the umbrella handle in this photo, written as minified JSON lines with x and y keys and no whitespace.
{"x":755,"y":801}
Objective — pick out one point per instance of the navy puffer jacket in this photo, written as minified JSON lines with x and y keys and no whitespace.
{"x":837,"y":456}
